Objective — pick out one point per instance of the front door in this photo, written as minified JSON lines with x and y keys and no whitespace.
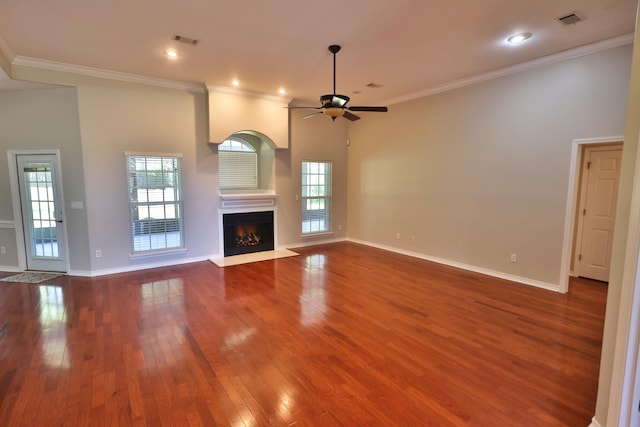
{"x":42,"y":215}
{"x":598,"y":210}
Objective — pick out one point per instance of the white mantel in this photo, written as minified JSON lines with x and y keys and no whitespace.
{"x":232,"y":202}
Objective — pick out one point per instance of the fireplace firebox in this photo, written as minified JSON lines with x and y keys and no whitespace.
{"x":247,"y":232}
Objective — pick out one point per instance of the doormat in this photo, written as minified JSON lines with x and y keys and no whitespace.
{"x":31,"y":277}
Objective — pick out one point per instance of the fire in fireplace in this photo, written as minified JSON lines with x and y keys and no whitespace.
{"x":248,"y":232}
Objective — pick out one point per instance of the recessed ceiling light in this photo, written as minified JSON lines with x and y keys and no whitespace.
{"x":172,"y":54}
{"x":282,"y":91}
{"x":519,"y":38}
{"x":235,"y":83}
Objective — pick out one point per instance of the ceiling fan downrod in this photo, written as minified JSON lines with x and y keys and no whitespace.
{"x":334,"y":48}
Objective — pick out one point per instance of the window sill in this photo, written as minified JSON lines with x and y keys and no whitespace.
{"x":153,"y":254}
{"x":245,"y":194}
{"x":319,"y":234}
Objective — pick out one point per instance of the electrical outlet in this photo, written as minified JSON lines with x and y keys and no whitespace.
{"x":413,"y":238}
{"x":514,"y":257}
{"x":98,"y":253}
{"x":339,"y":227}
{"x":3,"y":250}
{"x":398,"y":236}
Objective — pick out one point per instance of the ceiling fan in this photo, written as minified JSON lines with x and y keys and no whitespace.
{"x":335,"y":105}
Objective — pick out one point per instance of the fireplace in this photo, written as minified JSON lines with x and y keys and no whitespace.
{"x":248,"y":232}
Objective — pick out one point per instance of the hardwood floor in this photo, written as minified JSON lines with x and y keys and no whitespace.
{"x":342,"y":335}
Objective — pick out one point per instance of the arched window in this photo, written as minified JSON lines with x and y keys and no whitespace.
{"x":238,"y":161}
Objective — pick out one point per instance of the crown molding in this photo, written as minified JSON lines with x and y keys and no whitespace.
{"x":6,"y":50}
{"x":104,"y":74}
{"x":524,"y":66}
{"x":237,"y":91}
{"x":201,"y":88}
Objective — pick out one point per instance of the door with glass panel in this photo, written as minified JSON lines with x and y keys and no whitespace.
{"x":42,"y":216}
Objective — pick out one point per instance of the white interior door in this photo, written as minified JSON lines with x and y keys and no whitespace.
{"x":42,"y":214}
{"x":598,"y":210}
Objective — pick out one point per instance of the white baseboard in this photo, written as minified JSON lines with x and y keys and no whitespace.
{"x":314,"y":243}
{"x":10,"y":269}
{"x":594,"y":423}
{"x":462,"y":266}
{"x":481,"y":270}
{"x":129,"y":268}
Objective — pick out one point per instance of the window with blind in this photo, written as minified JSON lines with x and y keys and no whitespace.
{"x":238,"y":165}
{"x":155,"y":202}
{"x":316,"y":197}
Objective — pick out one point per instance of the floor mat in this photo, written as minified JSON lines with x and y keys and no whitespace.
{"x":31,"y":277}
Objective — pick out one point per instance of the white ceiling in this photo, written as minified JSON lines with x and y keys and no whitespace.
{"x":407,"y":46}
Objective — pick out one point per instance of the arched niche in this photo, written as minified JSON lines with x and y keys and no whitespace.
{"x":265,"y":150}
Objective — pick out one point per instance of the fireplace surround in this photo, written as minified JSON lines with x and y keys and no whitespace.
{"x":247,"y":222}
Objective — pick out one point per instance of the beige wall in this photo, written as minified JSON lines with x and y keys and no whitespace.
{"x":481,"y":172}
{"x":315,"y":139}
{"x":123,"y":118}
{"x":38,"y":120}
{"x":98,"y":120}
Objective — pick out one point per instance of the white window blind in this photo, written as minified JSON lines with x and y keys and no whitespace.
{"x":316,"y":197}
{"x":155,"y":201}
{"x":238,"y":165}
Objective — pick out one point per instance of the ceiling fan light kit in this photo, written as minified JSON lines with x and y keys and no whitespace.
{"x":335,"y":105}
{"x":333,"y":112}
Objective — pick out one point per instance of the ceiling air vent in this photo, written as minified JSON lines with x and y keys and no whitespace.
{"x":570,"y":19}
{"x":183,"y":39}
{"x":374,"y":85}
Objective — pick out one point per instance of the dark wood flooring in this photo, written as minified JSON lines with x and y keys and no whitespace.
{"x":342,"y":335}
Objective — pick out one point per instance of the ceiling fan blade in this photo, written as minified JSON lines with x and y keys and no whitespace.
{"x":308,"y":116}
{"x":295,"y":108}
{"x":370,"y":109}
{"x":350,"y":116}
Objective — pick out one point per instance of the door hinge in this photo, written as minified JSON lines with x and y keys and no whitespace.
{"x":584,"y":212}
{"x":580,"y":257}
{"x":588,"y":165}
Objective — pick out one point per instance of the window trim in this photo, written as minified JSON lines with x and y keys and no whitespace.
{"x":180,"y":204}
{"x":328,"y":198}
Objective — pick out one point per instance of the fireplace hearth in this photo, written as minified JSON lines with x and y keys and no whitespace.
{"x":248,"y":232}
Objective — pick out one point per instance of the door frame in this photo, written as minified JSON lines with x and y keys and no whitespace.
{"x":624,"y":390}
{"x":571,"y":208}
{"x":12,"y":156}
{"x":582,"y":194}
